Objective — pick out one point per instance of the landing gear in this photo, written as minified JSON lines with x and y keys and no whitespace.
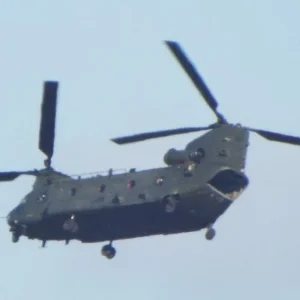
{"x":71,"y":225}
{"x":15,"y":237}
{"x":108,"y":251}
{"x":210,"y":233}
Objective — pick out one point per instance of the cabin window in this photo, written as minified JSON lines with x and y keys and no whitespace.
{"x":101,"y":188}
{"x":142,"y":196}
{"x":116,"y":200}
{"x":73,"y":192}
{"x":131,"y":184}
{"x":160,"y":180}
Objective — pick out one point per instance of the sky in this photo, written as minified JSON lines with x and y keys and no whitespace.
{"x":117,"y":78}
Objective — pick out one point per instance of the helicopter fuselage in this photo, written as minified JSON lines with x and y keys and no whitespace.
{"x":187,"y":196}
{"x":199,"y":184}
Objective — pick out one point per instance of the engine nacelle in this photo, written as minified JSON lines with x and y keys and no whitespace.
{"x":176,"y":157}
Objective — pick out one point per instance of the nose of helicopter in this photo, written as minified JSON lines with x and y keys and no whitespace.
{"x":12,"y":217}
{"x":11,"y":221}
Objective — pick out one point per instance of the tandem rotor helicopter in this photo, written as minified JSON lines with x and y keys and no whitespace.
{"x":196,"y":187}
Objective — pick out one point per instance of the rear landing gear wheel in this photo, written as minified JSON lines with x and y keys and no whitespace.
{"x":108,"y":251}
{"x":210,"y":234}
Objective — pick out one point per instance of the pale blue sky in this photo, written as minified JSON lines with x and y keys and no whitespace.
{"x":118,"y":78}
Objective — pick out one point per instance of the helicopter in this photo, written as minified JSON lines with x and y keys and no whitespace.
{"x":190,"y":193}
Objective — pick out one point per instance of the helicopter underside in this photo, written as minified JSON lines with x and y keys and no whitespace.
{"x":126,"y":223}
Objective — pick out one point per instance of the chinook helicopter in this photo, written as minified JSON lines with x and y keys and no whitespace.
{"x":196,"y":187}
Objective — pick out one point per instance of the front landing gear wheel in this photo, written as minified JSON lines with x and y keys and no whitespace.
{"x":15,"y":237}
{"x":108,"y":251}
{"x":210,"y":234}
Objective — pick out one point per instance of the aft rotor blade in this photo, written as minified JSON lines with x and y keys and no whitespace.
{"x":198,"y":81}
{"x":155,"y":134}
{"x":277,"y":137}
{"x":48,"y":116}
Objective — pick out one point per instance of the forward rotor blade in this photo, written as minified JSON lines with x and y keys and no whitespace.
{"x":156,"y":134}
{"x":9,"y":176}
{"x":48,"y":115}
{"x":198,"y":81}
{"x":277,"y":137}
